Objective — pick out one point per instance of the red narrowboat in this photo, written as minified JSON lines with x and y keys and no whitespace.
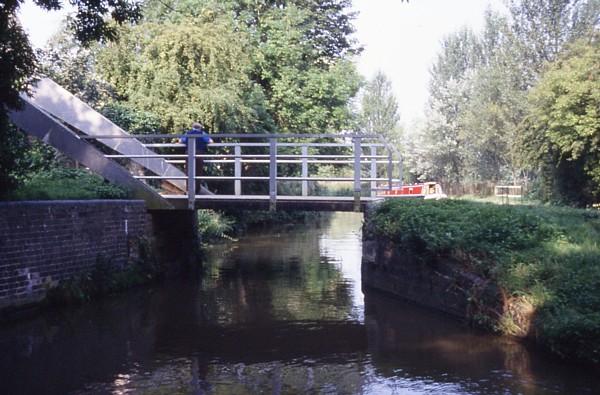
{"x":426,"y":190}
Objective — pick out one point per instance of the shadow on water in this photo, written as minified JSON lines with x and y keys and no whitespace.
{"x":408,"y":342}
{"x":273,"y":313}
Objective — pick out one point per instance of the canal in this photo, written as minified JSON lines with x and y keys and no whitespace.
{"x":277,"y":313}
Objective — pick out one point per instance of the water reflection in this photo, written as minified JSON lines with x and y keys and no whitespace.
{"x":421,"y":347}
{"x":275,"y":313}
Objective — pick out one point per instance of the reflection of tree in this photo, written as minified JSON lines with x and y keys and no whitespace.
{"x":279,"y":276}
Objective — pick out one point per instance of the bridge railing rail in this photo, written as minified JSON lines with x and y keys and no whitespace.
{"x":370,"y":152}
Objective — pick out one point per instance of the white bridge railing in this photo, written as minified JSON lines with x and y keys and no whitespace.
{"x":368,"y":160}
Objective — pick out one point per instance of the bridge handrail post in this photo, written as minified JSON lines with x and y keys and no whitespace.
{"x":401,"y":170}
{"x":390,"y":169}
{"x":373,"y":170}
{"x":237,"y":170}
{"x":272,"y":174}
{"x":357,"y":187}
{"x":304,"y":170}
{"x":191,"y":171}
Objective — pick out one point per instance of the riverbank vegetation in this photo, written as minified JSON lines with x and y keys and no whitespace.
{"x":62,"y":183}
{"x":546,"y":260}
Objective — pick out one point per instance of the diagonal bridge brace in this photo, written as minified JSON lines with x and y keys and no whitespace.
{"x":38,"y":123}
{"x":52,"y":98}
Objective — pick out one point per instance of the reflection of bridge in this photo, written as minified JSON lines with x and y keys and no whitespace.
{"x":248,"y":171}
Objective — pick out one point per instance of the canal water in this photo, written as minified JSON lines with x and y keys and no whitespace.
{"x":274,"y":313}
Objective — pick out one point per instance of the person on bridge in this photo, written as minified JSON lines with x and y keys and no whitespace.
{"x":202,"y":142}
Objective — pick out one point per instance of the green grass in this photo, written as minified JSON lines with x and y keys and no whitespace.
{"x":546,"y":256}
{"x":66,"y":184}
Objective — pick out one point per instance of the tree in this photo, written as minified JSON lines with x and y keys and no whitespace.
{"x":543,"y":27}
{"x":284,"y":74}
{"x":379,"y":109}
{"x":327,"y":24}
{"x":17,"y":64}
{"x":561,"y":134}
{"x":18,"y":61}
{"x":496,"y":106}
{"x":443,"y":141}
{"x":73,"y":66}
{"x":304,"y":92}
{"x":479,"y":87}
{"x":193,"y":70}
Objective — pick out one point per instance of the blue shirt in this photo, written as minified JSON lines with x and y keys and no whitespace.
{"x":201,"y":142}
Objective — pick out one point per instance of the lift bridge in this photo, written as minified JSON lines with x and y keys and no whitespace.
{"x":246,"y":171}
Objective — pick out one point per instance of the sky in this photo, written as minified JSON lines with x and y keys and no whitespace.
{"x":399,"y":38}
{"x":402,"y":39}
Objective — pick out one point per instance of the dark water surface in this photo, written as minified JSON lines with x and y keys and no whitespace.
{"x":279,"y":313}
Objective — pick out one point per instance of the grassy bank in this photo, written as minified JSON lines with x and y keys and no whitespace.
{"x":65,"y":184}
{"x":546,"y":259}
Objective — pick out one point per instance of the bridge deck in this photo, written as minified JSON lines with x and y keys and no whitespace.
{"x":261,"y":202}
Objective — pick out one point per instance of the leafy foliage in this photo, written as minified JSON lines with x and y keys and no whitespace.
{"x":66,"y":183}
{"x":235,"y":66}
{"x":562,"y":133}
{"x":193,"y":70}
{"x":72,"y":65}
{"x":17,"y":64}
{"x":445,"y":227}
{"x":90,"y":22}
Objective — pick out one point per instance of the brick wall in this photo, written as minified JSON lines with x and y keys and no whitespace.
{"x":43,"y":243}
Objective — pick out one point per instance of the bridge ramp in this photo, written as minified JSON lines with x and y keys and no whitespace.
{"x":52,"y":98}
{"x":40,"y":124}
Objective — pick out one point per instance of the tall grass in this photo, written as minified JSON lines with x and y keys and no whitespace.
{"x":214,"y":225}
{"x":547,"y":256}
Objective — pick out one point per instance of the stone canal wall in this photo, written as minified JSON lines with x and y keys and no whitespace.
{"x":44,"y":243}
{"x":438,"y":283}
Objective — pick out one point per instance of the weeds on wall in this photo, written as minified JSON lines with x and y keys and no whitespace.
{"x":107,"y":278}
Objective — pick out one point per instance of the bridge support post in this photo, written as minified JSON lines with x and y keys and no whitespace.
{"x":237,"y":184}
{"x":304,"y":170}
{"x":191,"y":171}
{"x":177,"y":239}
{"x":357,"y":188}
{"x":272,"y":174}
